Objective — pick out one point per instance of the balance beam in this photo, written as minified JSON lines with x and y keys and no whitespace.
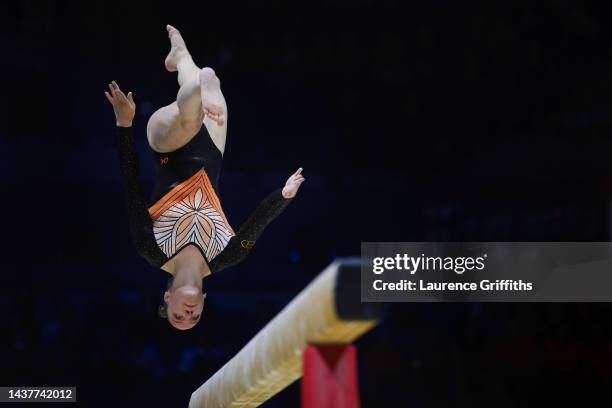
{"x":327,"y":311}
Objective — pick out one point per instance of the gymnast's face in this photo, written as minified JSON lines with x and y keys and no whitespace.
{"x":185,"y":306}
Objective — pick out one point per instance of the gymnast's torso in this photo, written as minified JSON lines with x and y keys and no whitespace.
{"x":185,"y":206}
{"x":175,"y":167}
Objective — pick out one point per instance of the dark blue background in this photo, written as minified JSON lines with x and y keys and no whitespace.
{"x":435,"y":120}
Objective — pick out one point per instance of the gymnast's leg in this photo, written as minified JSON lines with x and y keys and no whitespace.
{"x":172,"y":126}
{"x":215,"y":107}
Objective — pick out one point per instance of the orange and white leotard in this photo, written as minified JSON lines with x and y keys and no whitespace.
{"x":191,"y":213}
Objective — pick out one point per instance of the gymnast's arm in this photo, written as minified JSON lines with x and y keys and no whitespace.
{"x":141,"y":226}
{"x":240,"y":245}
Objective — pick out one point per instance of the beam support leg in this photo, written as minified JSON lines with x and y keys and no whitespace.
{"x":330,"y":377}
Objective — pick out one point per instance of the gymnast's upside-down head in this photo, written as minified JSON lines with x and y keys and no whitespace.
{"x":182,"y":305}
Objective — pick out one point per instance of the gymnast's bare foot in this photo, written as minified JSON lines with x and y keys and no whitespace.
{"x":178,"y":49}
{"x":210,"y":89}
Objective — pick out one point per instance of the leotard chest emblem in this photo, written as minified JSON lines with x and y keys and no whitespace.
{"x":191,"y":213}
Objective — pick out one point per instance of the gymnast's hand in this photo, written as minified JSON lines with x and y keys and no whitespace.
{"x":214,"y":113}
{"x":124,"y":106}
{"x":293,"y":184}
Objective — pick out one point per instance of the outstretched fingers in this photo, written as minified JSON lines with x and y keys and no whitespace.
{"x":214,"y":113}
{"x":293,"y":184}
{"x":213,"y":109}
{"x":215,"y":118}
{"x":117,"y":95}
{"x":297,"y":176}
{"x":114,"y":88}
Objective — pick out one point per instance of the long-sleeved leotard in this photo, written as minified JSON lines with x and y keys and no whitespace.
{"x":193,"y":202}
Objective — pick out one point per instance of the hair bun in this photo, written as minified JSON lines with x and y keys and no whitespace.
{"x":162,"y":311}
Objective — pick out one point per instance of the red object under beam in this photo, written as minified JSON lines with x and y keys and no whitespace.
{"x":330,"y":377}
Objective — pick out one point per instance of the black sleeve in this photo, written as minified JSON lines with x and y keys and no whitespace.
{"x":240,"y":245}
{"x":141,"y":225}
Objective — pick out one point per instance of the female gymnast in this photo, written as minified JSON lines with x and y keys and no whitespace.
{"x":184,"y":230}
